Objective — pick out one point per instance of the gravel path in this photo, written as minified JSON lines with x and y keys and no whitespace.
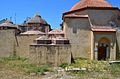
{"x":14,"y":74}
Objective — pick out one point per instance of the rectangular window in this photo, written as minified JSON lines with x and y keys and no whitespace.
{"x":118,"y":18}
{"x":74,"y":29}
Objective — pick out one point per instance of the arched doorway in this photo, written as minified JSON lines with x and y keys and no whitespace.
{"x":103,"y":49}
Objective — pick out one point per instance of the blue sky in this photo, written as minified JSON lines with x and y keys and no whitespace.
{"x":50,"y":10}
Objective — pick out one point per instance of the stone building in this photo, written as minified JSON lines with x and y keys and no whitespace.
{"x":16,"y":39}
{"x":91,"y":29}
{"x":92,"y":26}
{"x":41,"y":46}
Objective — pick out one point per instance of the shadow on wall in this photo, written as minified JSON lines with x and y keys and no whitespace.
{"x":72,"y":58}
{"x":117,"y":51}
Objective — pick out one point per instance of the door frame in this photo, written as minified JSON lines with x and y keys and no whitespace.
{"x":103,"y":49}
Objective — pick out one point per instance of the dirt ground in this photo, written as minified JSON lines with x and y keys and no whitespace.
{"x":14,"y":74}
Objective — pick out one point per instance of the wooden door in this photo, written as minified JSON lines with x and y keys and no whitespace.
{"x":101,"y":53}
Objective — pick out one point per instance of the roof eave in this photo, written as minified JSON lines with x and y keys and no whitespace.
{"x":103,"y":31}
{"x":81,"y":9}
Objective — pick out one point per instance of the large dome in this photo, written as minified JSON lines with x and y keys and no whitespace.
{"x":90,"y":3}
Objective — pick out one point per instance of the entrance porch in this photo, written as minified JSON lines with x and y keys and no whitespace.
{"x":104,"y":44}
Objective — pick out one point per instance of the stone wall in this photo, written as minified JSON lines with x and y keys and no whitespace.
{"x":50,"y":54}
{"x":100,"y":17}
{"x":23,"y":42}
{"x":7,"y":42}
{"x":10,"y":44}
{"x":77,"y":30}
{"x":38,"y":54}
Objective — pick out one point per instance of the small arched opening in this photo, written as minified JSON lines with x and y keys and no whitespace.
{"x":103,"y":49}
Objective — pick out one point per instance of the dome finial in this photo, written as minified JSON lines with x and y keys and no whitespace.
{"x":37,"y":15}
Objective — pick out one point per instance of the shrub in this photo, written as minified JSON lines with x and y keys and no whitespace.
{"x":38,"y":69}
{"x":64,"y":65}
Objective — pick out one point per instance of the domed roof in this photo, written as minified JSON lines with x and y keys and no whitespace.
{"x":56,"y":31}
{"x":90,"y":3}
{"x":37,"y":19}
{"x":7,"y":23}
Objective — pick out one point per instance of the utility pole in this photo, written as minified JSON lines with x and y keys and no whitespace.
{"x":15,"y":18}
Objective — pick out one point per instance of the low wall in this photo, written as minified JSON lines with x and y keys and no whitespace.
{"x":50,"y":54}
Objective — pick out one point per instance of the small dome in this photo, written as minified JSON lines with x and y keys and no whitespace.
{"x":90,"y":3}
{"x":37,"y":19}
{"x":7,"y":23}
{"x":56,"y":31}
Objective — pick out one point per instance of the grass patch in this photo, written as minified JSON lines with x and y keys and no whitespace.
{"x":91,"y":65}
{"x":115,"y":69}
{"x":96,"y":69}
{"x":23,"y":64}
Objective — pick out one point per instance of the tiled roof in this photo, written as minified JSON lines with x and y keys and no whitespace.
{"x":103,"y":29}
{"x":32,"y":32}
{"x":37,"y":19}
{"x":56,"y":31}
{"x":90,"y":3}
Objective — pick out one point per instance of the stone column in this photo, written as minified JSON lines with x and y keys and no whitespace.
{"x":96,"y":51}
{"x":92,"y":46}
{"x":113,"y":51}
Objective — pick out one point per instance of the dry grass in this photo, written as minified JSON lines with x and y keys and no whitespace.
{"x":96,"y":69}
{"x":20,"y":68}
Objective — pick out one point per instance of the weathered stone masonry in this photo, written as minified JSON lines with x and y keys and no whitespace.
{"x":50,"y":54}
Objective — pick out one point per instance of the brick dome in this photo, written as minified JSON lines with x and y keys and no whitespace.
{"x":37,"y":19}
{"x":90,"y":3}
